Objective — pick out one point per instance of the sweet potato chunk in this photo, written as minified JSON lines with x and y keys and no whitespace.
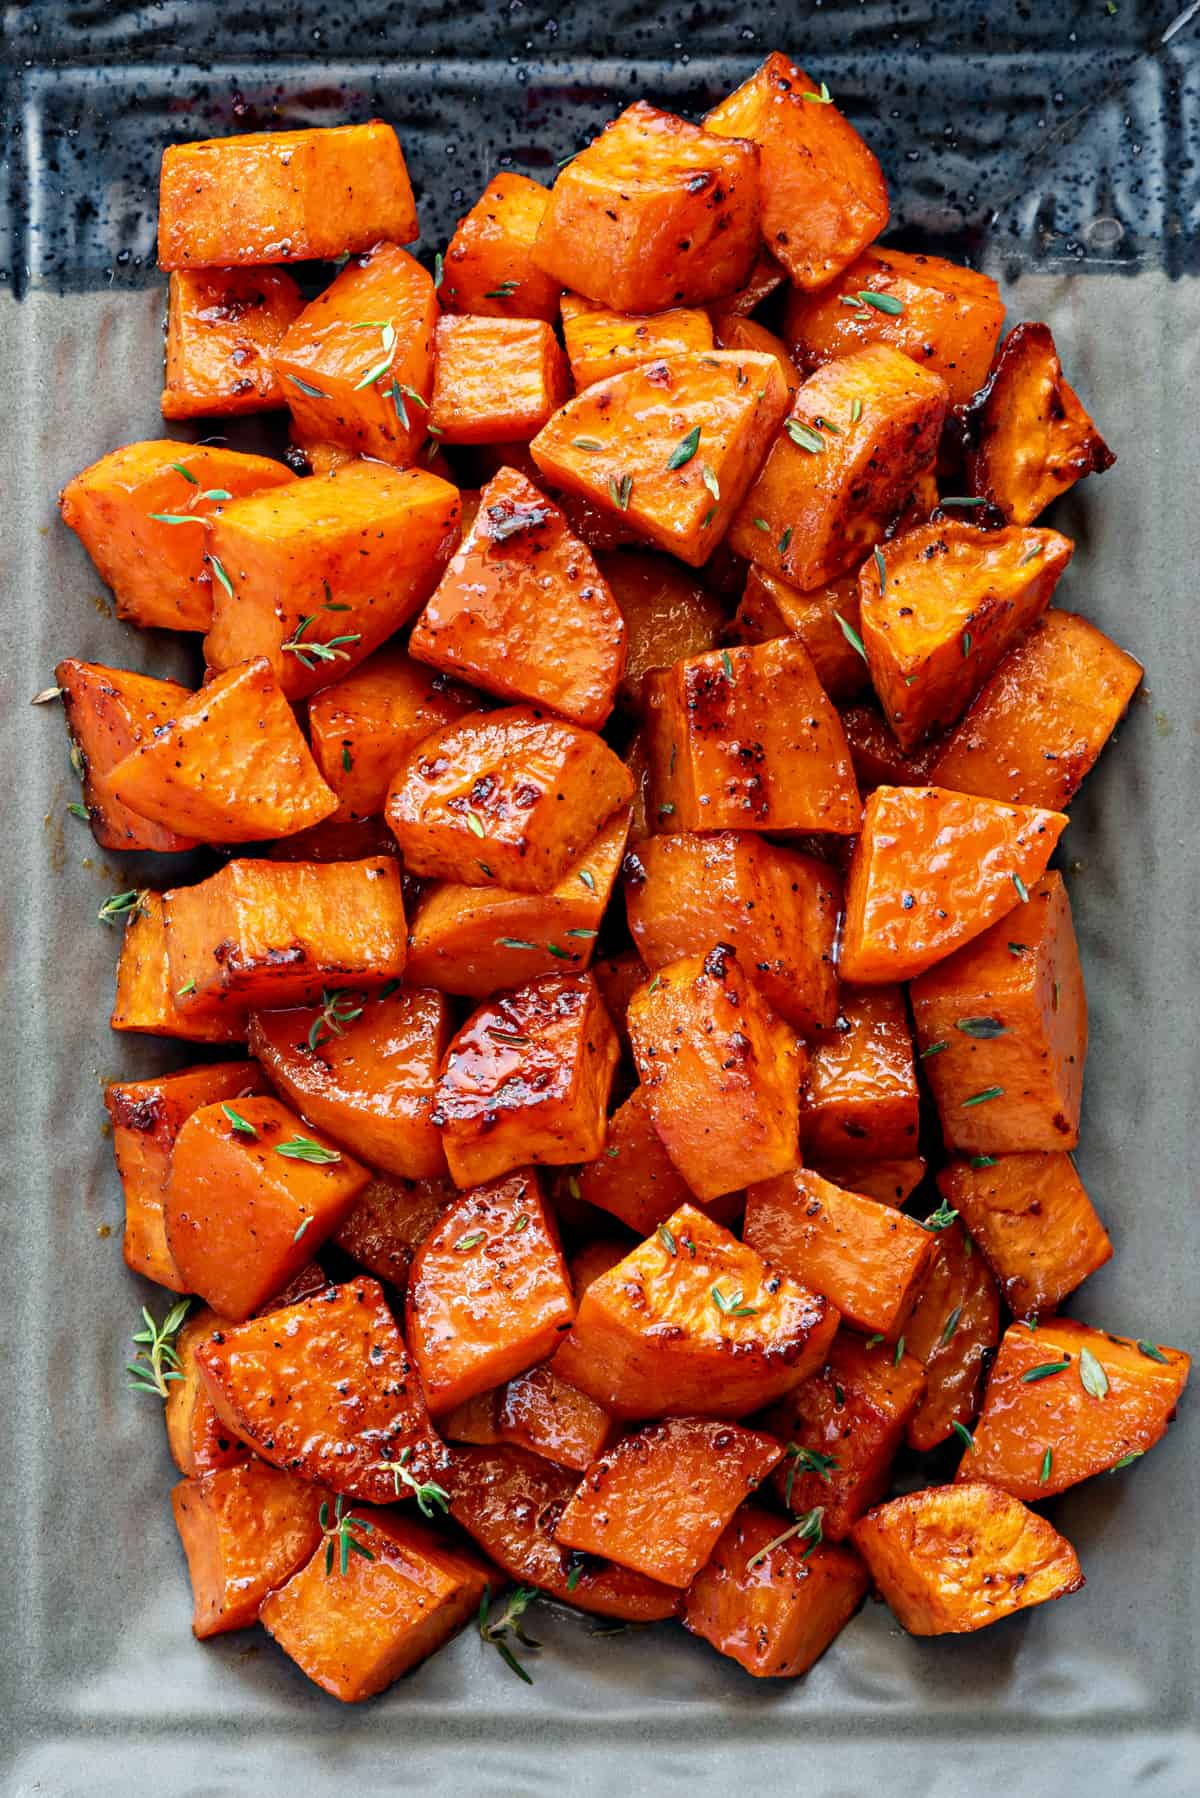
{"x":1008,"y":1014}
{"x":474,"y":1421}
{"x":527,"y":1079}
{"x":198,"y":1439}
{"x":354,"y":1628}
{"x":824,"y":197}
{"x":316,"y":578}
{"x":325,"y":1389}
{"x":952,"y":1330}
{"x":779,"y":910}
{"x":825,"y":496}
{"x":891,"y":1182}
{"x":1028,"y":436}
{"x":1064,"y":1402}
{"x":635,"y":1179}
{"x":356,"y":367}
{"x":931,"y":870}
{"x":878,"y":759}
{"x":268,"y":934}
{"x":140,"y":511}
{"x":245,"y":1530}
{"x":668,"y":447}
{"x":1032,"y":1219}
{"x":512,"y":797}
{"x":619,"y":977}
{"x":390,"y":1221}
{"x":602,"y":342}
{"x":668,"y":615}
{"x":693,"y":1321}
{"x":944,"y":316}
{"x":221,"y":330}
{"x":230,"y":764}
{"x":773,"y":1606}
{"x":523,"y":611}
{"x":488,"y":268}
{"x":283,"y":196}
{"x":939,"y":607}
{"x":747,"y":739}
{"x":952,"y":1559}
{"x":653,"y":213}
{"x":545,"y":1414}
{"x":770,"y":608}
{"x":867,"y":1259}
{"x":337,"y":840}
{"x":861,"y":1102}
{"x":1037,"y":727}
{"x":496,"y":380}
{"x":110,"y":711}
{"x":764,"y":279}
{"x":145,"y":998}
{"x":733,"y":332}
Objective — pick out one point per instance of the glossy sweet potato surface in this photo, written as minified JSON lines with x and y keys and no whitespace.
{"x":147,"y":999}
{"x":861,"y":1102}
{"x":495,"y":380}
{"x":199,"y":1440}
{"x":111,"y":712}
{"x":488,"y":268}
{"x":602,"y":342}
{"x":245,"y":1531}
{"x":771,"y":607}
{"x":222,"y":327}
{"x":544,"y":1413}
{"x":952,"y":1330}
{"x":1032,"y":1220}
{"x":634,"y":1177}
{"x":667,"y":613}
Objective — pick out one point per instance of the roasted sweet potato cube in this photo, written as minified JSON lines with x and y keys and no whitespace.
{"x":635,"y":1179}
{"x":747,"y":739}
{"x":619,"y":977}
{"x":140,"y":511}
{"x":523,"y":611}
{"x":496,"y":380}
{"x":543,"y":1413}
{"x":511,"y":797}
{"x":249,"y":1197}
{"x":842,"y":1428}
{"x":1028,"y":436}
{"x":338,"y":840}
{"x":1038,"y":725}
{"x":315,"y":578}
{"x":769,"y":607}
{"x":952,"y":1559}
{"x":356,"y":367}
{"x":945,"y":316}
{"x":390,"y":1221}
{"x":764,"y":279}
{"x":1030,"y":1216}
{"x":1064,"y":1402}
{"x":199,"y":1441}
{"x":931,"y":871}
{"x":891,"y":1182}
{"x":222,"y":328}
{"x":667,"y":613}
{"x":325,"y":1389}
{"x":230,"y":764}
{"x":824,"y":197}
{"x":510,"y":1502}
{"x":653,"y":213}
{"x":602,"y":342}
{"x":878,"y":759}
{"x":861,"y":433}
{"x":867,"y":1259}
{"x":939,"y":606}
{"x":773,"y":1605}
{"x":527,"y":1079}
{"x":269,"y":934}
{"x":110,"y":711}
{"x":778,"y":908}
{"x":146,"y":1117}
{"x":861,"y":1102}
{"x":245,"y":1530}
{"x":475,"y":1421}
{"x":693,"y":1321}
{"x":1003,"y":1029}
{"x":283,"y":196}
{"x":488,"y":268}
{"x":145,"y":998}
{"x":733,"y":332}
{"x":952,"y":1330}
{"x":669,"y":447}
{"x":394,"y":1596}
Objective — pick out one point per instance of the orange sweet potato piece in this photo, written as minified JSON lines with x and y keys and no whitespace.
{"x":475,"y":1421}
{"x":527,"y":1079}
{"x":764,"y":279}
{"x":269,"y":934}
{"x":939,"y":606}
{"x":891,"y":1182}
{"x":824,"y":197}
{"x":121,"y":510}
{"x":861,"y":1102}
{"x":337,"y":840}
{"x":511,"y":797}
{"x":283,"y":196}
{"x":878,"y":759}
{"x":634,"y":1178}
{"x":356,"y":367}
{"x":488,"y":268}
{"x":654,"y":212}
{"x":496,"y":380}
{"x":1010,"y":1013}
{"x":944,"y":316}
{"x":651,"y":1340}
{"x":110,"y":711}
{"x":773,"y":1607}
{"x":952,"y":1559}
{"x":488,"y":1292}
{"x":733,"y":332}
{"x":230,"y":764}
{"x":1029,"y":438}
{"x":668,"y":615}
{"x":317,"y":577}
{"x":952,"y":1330}
{"x":1030,"y":1216}
{"x":747,"y":739}
{"x":769,"y":607}
{"x":523,"y":611}
{"x":244,"y":1530}
{"x":779,"y":909}
{"x":221,"y":330}
{"x":545,"y":1414}
{"x":390,"y":1221}
{"x":197,"y":1438}
{"x":145,"y":998}
{"x":825,"y":496}
{"x":356,"y":1628}
{"x":669,"y":447}
{"x":602,"y":342}
{"x":619,"y":977}
{"x":931,"y":870}
{"x":1037,"y":727}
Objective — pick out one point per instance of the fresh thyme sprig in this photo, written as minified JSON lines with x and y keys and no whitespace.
{"x":157,"y":1361}
{"x":303,"y":1148}
{"x":303,"y":648}
{"x":122,"y":905}
{"x":431,"y":1498}
{"x":337,"y":1010}
{"x":807,"y":1528}
{"x":495,"y":1629}
{"x":807,"y":1460}
{"x":340,"y":1532}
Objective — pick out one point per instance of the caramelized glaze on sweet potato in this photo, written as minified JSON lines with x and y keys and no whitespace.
{"x":110,"y":712}
{"x":770,"y":607}
{"x":495,"y":380}
{"x":667,"y":615}
{"x":488,"y":268}
{"x":146,"y":1000}
{"x":861,"y":1102}
{"x":245,"y":1530}
{"x":222,"y":327}
{"x":542,"y":1412}
{"x":952,"y":1330}
{"x":602,"y":342}
{"x":634,"y":1178}
{"x":1033,"y":1221}
{"x":199,"y":1440}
